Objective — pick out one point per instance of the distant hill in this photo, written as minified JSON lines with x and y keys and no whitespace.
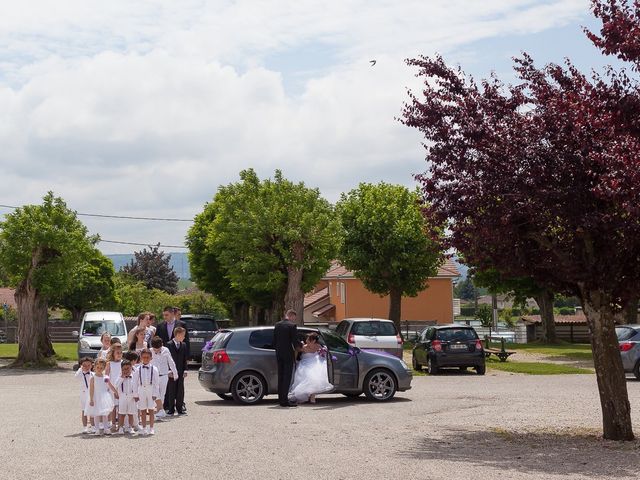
{"x":179,"y":261}
{"x":461,"y":267}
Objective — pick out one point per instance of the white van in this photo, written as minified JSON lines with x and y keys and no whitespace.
{"x":93,"y":325}
{"x":371,"y":333}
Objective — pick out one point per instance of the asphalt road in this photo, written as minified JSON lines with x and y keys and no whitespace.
{"x":451,"y":426}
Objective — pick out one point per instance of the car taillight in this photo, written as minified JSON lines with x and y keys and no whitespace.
{"x":437,"y":345}
{"x":220,"y":356}
{"x":351,"y":339}
{"x":399,"y":339}
{"x":478,"y":344}
{"x":626,"y":346}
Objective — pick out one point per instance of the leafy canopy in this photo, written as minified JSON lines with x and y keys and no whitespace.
{"x":44,"y":244}
{"x":385,"y":239}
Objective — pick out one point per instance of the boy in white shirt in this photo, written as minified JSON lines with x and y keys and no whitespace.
{"x":146,"y":391}
{"x":84,"y":374}
{"x":163,"y":361}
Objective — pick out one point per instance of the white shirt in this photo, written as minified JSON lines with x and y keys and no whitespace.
{"x":84,"y":379}
{"x":126,"y":386}
{"x":164,"y":362}
{"x":147,"y":379}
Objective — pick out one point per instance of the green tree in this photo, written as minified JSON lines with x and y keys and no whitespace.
{"x":273,"y":239}
{"x":152,"y":268}
{"x":484,"y":314}
{"x":132,"y":296}
{"x":92,"y":287}
{"x":385,"y":242}
{"x":465,"y":289}
{"x":201,"y":302}
{"x":41,"y":246}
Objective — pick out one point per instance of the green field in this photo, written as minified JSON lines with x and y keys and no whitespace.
{"x":65,"y":352}
{"x":535,"y":368}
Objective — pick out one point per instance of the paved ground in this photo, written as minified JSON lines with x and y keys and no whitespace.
{"x":452,"y":426}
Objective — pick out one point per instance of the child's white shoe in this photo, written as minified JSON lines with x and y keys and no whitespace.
{"x":107,"y":431}
{"x":86,"y":430}
{"x":121,"y":431}
{"x":152,"y":431}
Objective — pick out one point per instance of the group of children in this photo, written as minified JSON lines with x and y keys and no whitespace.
{"x":124,"y":392}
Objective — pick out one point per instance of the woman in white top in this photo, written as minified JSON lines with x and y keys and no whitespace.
{"x":138,"y":344}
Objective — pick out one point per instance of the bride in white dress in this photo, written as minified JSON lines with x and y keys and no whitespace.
{"x":311,"y":377}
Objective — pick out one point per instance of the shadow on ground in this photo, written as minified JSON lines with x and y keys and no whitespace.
{"x":538,"y":453}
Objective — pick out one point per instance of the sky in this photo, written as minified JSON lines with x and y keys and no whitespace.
{"x":145,"y":108}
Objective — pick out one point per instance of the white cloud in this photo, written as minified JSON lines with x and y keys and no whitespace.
{"x":144,"y":108}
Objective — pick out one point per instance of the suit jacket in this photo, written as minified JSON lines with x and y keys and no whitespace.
{"x":163,"y":333}
{"x":285,"y":340}
{"x":180,"y":356}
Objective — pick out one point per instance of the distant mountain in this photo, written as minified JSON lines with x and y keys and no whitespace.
{"x":461,"y":267}
{"x":179,"y":261}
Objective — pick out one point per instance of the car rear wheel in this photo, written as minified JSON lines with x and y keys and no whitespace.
{"x":380,"y":385}
{"x":636,"y":370}
{"x":432,"y":367}
{"x":248,"y":388}
{"x":225,"y":396}
{"x":416,"y":366}
{"x":481,"y":370}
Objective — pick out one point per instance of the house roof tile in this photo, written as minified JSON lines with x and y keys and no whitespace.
{"x":337,"y":270}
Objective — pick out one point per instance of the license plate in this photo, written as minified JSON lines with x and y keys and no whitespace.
{"x":197,"y":339}
{"x":459,"y":347}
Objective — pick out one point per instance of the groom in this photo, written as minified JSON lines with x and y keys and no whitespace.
{"x":287,"y":345}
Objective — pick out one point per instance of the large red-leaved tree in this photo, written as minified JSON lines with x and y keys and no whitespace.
{"x":541,"y":179}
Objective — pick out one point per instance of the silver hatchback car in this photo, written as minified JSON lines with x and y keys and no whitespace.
{"x":240,"y":364}
{"x":629,"y":341}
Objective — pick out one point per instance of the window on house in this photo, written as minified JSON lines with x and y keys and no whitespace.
{"x":342,"y":293}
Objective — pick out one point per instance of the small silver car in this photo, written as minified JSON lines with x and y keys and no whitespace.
{"x":242,"y":362}
{"x":629,"y":341}
{"x":372,"y":334}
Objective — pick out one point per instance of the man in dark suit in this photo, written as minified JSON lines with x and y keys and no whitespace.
{"x":287,"y":345}
{"x":174,"y":398}
{"x":166,"y":329}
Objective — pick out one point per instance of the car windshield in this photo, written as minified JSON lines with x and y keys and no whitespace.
{"x":334,"y":342}
{"x":456,"y":334}
{"x":200,"y":324}
{"x":374,"y":328}
{"x":98,"y":327}
{"x":624,"y":333}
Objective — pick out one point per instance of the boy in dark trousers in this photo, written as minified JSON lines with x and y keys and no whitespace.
{"x":174,"y":399}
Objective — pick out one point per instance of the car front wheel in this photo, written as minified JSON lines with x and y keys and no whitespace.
{"x":380,"y":385}
{"x":416,"y":366}
{"x":248,"y":388}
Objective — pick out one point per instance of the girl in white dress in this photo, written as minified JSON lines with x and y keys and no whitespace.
{"x":113,"y":371}
{"x":100,"y":402}
{"x":311,"y":376}
{"x":105,"y":338}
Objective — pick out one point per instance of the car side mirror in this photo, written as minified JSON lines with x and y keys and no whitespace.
{"x":75,"y":334}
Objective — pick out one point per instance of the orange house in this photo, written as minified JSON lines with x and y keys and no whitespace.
{"x":341,"y":295}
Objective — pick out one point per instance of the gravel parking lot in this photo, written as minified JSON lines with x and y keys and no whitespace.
{"x":450,"y":426}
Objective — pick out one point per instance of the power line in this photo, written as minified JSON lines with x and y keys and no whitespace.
{"x":143,"y":244}
{"x":123,"y":217}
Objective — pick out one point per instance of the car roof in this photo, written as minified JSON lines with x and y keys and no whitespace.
{"x":263,"y":327}
{"x":197,"y":315}
{"x":635,"y":326}
{"x":452,"y":325}
{"x":356,"y":320}
{"x":93,"y":316}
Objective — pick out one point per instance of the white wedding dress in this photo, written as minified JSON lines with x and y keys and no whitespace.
{"x":311,"y":377}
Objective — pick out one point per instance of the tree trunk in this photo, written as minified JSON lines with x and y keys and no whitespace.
{"x":294,"y":297}
{"x":545,"y":303}
{"x":240,"y":314}
{"x":77,"y":314}
{"x":34,"y":343}
{"x":631,"y":311}
{"x":395,"y":307}
{"x":612,"y":384}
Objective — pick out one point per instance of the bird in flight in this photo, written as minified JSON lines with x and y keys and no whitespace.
{"x":372,"y":62}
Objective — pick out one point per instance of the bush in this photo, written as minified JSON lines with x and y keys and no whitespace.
{"x":485,"y":315}
{"x":468,"y":311}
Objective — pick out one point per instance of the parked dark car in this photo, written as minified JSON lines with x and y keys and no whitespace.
{"x":449,"y":346}
{"x":242,"y":362}
{"x":629,"y":340}
{"x":201,"y":329}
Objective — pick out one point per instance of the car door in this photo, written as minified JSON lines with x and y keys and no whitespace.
{"x":425,"y":344}
{"x":418,"y":351}
{"x":342,"y":362}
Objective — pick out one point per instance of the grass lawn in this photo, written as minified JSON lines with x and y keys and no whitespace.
{"x":534,"y":368}
{"x":577,"y":351}
{"x":64,"y":351}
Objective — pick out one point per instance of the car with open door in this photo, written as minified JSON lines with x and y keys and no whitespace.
{"x":448,"y":346}
{"x":240,"y":364}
